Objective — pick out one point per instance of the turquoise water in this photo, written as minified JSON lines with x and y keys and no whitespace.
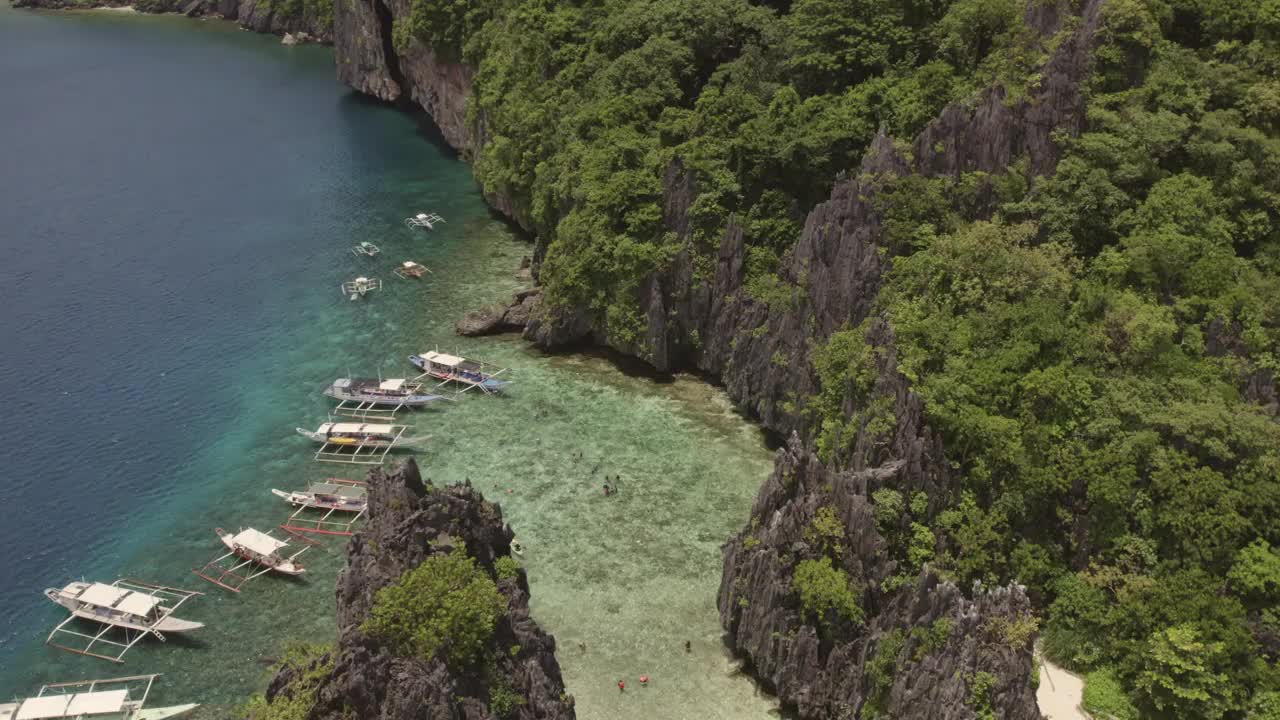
{"x":176,"y":203}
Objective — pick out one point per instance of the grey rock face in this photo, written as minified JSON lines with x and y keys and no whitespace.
{"x":410,"y":520}
{"x":416,"y":76}
{"x":362,"y":49}
{"x":256,"y":15}
{"x":499,"y":319}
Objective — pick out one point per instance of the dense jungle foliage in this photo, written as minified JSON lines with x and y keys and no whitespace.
{"x":1094,"y":346}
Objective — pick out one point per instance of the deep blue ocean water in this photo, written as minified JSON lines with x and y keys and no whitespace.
{"x":177,"y":201}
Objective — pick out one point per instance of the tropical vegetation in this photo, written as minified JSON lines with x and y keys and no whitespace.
{"x":445,"y":607}
{"x":1096,"y":347}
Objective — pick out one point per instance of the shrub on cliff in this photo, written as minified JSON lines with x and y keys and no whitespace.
{"x":447,"y":606}
{"x":825,"y":592}
{"x":309,"y":664}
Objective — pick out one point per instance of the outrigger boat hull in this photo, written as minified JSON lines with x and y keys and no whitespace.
{"x":165,"y":713}
{"x":319,"y":437}
{"x":123,"y":698}
{"x":489,"y":384}
{"x":284,"y":565}
{"x":79,"y":609}
{"x":410,"y":401}
{"x":302,"y":499}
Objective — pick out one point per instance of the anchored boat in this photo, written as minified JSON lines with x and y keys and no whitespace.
{"x":456,"y":369}
{"x":423,"y":220}
{"x":369,"y":397}
{"x":366,"y":249}
{"x":361,"y":286}
{"x":410,"y":270}
{"x":109,"y":699}
{"x":358,"y":443}
{"x":333,"y":497}
{"x":250,"y":547}
{"x":135,"y":608}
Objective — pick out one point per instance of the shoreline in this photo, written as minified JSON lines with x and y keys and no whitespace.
{"x":1061,"y":692}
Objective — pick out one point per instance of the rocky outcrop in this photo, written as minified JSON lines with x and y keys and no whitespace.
{"x":498,"y":318}
{"x":410,"y":520}
{"x":304,"y":21}
{"x":829,"y":672}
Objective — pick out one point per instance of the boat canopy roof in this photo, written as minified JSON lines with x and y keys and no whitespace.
{"x":410,"y":264}
{"x":357,"y":428}
{"x":391,"y":384}
{"x":440,"y":358}
{"x":110,"y":596}
{"x":77,"y":705}
{"x":346,"y":491}
{"x":258,"y":541}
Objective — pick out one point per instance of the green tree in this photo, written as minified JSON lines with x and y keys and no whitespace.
{"x":825,"y":592}
{"x":446,"y":606}
{"x":1180,"y":676}
{"x":1255,"y":576}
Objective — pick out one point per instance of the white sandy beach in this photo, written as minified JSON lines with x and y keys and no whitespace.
{"x":1060,"y":693}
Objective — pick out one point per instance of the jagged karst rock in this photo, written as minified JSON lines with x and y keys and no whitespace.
{"x":499,"y":319}
{"x":410,"y":520}
{"x":824,"y":673}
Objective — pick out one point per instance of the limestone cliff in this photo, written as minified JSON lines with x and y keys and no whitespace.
{"x":305,"y":19}
{"x":925,"y":650}
{"x":410,"y":520}
{"x":890,"y":664}
{"x":414,"y":75}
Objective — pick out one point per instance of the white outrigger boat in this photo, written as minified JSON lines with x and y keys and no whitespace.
{"x":332,"y":496}
{"x":361,"y":286}
{"x":410,"y":270}
{"x":356,"y":443}
{"x":423,"y":220}
{"x":109,"y":699}
{"x":249,"y":547}
{"x":366,"y":249}
{"x":135,"y":608}
{"x":456,"y":369}
{"x":370,"y":398}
